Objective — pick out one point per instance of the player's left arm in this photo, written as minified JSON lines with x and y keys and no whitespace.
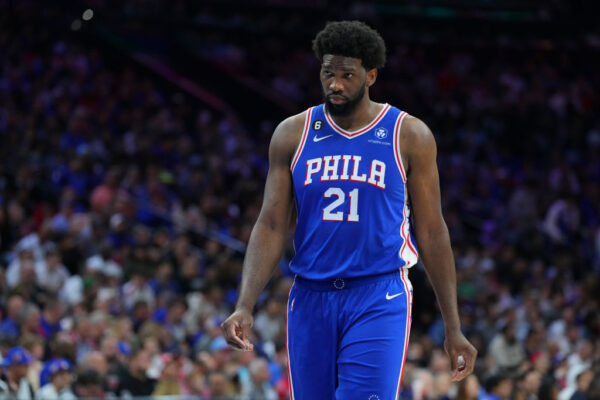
{"x":419,"y":157}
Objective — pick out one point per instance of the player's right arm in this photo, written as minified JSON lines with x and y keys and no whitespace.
{"x":269,"y":234}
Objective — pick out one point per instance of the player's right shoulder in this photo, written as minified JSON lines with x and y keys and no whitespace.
{"x":288,"y":134}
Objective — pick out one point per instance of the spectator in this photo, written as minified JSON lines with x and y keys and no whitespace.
{"x":14,"y":383}
{"x":468,"y":388}
{"x":168,"y":382}
{"x":528,"y":386}
{"x":60,"y":378}
{"x":259,"y":387}
{"x":9,"y":326}
{"x":219,"y":387}
{"x":504,"y":350}
{"x":88,"y":385}
{"x":19,"y":267}
{"x":133,"y":380}
{"x":584,"y":379}
{"x":30,"y":320}
{"x":50,"y":273}
{"x":137,"y":289}
{"x":96,"y":361}
{"x":548,"y":390}
{"x":270,"y":322}
{"x":172,"y":318}
{"x":51,"y":316}
{"x":442,"y":385}
{"x":498,"y":387}
{"x":34,"y":345}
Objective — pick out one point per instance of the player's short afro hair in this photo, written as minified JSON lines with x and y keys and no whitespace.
{"x":351,"y":39}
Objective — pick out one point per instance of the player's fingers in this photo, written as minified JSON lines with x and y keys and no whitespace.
{"x":465,"y":362}
{"x":245,"y":340}
{"x":231,"y":337}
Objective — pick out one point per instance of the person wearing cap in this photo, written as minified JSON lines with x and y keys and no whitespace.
{"x":59,"y":378}
{"x":14,"y":383}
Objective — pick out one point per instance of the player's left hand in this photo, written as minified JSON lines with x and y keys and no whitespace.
{"x":462,"y":355}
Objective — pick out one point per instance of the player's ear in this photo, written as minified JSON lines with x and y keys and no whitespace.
{"x":371,"y":76}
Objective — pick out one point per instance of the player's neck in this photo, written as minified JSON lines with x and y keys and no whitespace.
{"x":364,"y":113}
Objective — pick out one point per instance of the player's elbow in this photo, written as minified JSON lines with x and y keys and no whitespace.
{"x":272,"y":224}
{"x":432,"y":232}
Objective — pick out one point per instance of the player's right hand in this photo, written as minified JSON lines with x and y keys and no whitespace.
{"x":236,"y":329}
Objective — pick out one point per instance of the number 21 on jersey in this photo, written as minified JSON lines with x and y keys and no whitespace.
{"x":329,"y":215}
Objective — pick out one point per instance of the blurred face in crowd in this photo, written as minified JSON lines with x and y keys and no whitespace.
{"x":90,"y":391}
{"x":31,"y":322}
{"x":169,"y":371}
{"x":18,"y":372}
{"x":217,"y":384}
{"x":274,"y":308}
{"x":260,"y":374}
{"x":52,"y":260}
{"x":509,"y":333}
{"x":222,"y":356}
{"x":472,"y":386}
{"x":584,"y":380}
{"x":504,"y":388}
{"x":37,"y":350}
{"x":585,"y":349}
{"x":442,"y":382}
{"x":189,"y":268}
{"x":141,"y":312}
{"x":542,"y":363}
{"x":15,"y":305}
{"x":139,"y":364}
{"x":124,"y":329}
{"x":28,"y":275}
{"x":54,"y":312}
{"x":97,"y":361}
{"x":164,"y":272}
{"x":26,"y":256}
{"x":176,"y":312}
{"x":151,"y":345}
{"x":109,"y":348}
{"x":196,"y":382}
{"x":532,"y":381}
{"x":62,"y":379}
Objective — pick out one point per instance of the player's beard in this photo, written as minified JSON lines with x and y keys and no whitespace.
{"x":343,"y":110}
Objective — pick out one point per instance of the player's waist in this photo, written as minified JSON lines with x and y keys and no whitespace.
{"x":334,"y":284}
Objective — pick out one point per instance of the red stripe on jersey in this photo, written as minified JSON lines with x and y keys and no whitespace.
{"x":408,"y":323}
{"x":287,"y":346}
{"x":397,"y":145}
{"x":302,"y":140}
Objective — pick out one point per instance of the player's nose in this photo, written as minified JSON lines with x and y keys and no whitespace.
{"x":336,"y":85}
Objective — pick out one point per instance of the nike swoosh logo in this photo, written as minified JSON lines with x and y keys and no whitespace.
{"x":317,"y":139}
{"x":388,"y":297}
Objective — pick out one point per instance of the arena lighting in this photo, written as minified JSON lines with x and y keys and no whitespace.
{"x":87,"y":14}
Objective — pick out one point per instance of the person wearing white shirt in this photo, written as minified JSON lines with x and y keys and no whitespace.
{"x":60,"y":379}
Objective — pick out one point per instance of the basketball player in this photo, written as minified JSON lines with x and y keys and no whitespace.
{"x":363,"y":179}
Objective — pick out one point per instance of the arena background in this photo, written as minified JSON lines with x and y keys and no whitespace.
{"x":134,"y":140}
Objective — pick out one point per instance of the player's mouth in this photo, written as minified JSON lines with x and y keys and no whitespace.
{"x":336,"y":99}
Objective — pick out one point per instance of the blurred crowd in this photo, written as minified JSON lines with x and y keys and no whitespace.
{"x":120,"y":198}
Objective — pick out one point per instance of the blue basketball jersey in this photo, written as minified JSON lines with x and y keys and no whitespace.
{"x":350,"y":193}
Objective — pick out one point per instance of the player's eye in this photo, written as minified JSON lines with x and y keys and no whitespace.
{"x":349,"y":75}
{"x":328,"y":74}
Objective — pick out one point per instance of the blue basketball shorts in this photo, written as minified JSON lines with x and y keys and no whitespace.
{"x":347,"y":338}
